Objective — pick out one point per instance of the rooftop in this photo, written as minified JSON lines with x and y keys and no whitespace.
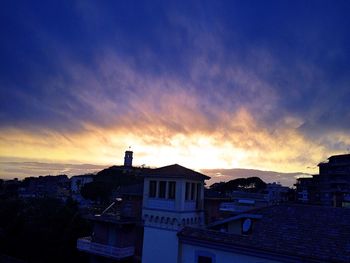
{"x":307,"y":232}
{"x":341,"y":159}
{"x":176,"y":171}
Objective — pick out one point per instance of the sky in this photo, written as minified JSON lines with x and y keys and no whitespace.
{"x":206,"y":84}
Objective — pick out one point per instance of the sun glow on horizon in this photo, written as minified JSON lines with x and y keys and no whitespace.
{"x":196,"y":150}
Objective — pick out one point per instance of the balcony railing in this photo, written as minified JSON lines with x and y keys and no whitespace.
{"x":85,"y":244}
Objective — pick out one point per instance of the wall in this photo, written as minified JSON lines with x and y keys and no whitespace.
{"x":189,"y":254}
{"x":159,"y":246}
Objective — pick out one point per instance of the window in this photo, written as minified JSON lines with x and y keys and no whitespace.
{"x":171,"y":190}
{"x":162,"y":189}
{"x":152,"y":188}
{"x":187,"y":194}
{"x":193,"y":187}
{"x":199,"y":188}
{"x":198,"y":197}
{"x":204,"y":259}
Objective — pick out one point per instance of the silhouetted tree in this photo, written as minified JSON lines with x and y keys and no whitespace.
{"x":41,"y":230}
{"x":97,"y":191}
{"x":250,"y":184}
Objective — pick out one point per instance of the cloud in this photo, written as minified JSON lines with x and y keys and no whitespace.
{"x":203,"y":90}
{"x":10,"y":169}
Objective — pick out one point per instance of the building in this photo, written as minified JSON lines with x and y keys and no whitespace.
{"x":45,"y":187}
{"x":76,"y":184}
{"x":306,"y":190}
{"x":333,"y":181}
{"x":240,"y":201}
{"x":167,"y":224}
{"x":128,"y":158}
{"x":276,"y":193}
{"x":117,"y":230}
{"x":173,"y":197}
{"x":278,"y":233}
{"x":331,"y":187}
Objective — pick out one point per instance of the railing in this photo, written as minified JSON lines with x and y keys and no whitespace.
{"x":85,"y":244}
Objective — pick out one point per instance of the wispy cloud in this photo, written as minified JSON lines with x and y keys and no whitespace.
{"x":195,"y":89}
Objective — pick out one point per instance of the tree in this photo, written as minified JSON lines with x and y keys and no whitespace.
{"x":250,"y":184}
{"x":97,"y":191}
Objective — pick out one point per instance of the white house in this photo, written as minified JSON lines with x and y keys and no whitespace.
{"x":173,"y":198}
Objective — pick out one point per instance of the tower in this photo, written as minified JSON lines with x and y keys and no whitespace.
{"x":128,"y":158}
{"x":172,"y":198}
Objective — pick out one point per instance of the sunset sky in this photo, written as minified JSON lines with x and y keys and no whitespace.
{"x":206,"y":84}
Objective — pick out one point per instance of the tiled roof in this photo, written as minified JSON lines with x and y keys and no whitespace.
{"x":176,"y":171}
{"x":306,"y":232}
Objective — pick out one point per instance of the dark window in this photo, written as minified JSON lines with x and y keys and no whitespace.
{"x":204,"y":259}
{"x":198,"y":198}
{"x":171,"y":190}
{"x":152,"y":188}
{"x":193,"y":187}
{"x":187,"y":196}
{"x":162,"y":189}
{"x":199,"y":188}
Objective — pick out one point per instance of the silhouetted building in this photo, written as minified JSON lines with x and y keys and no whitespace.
{"x":333,"y":181}
{"x":76,"y":184}
{"x":173,"y":227}
{"x":117,"y":231}
{"x":236,"y":202}
{"x":212,"y":207}
{"x":331,"y":187}
{"x":306,"y":190}
{"x":128,"y":158}
{"x":45,"y":186}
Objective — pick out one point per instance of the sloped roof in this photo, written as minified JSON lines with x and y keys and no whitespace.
{"x":176,"y":171}
{"x":305,"y":232}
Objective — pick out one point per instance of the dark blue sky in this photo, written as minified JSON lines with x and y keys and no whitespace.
{"x":164,"y":68}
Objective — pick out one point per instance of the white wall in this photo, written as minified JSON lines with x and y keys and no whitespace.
{"x":190,"y":252}
{"x":159,"y":246}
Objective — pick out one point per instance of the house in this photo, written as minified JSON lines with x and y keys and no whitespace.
{"x":279,"y":233}
{"x":115,"y":235}
{"x":173,"y":198}
{"x":76,"y":184}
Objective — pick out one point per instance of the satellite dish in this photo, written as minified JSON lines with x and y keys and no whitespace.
{"x":247,"y":224}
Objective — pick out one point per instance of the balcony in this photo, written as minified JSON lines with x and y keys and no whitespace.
{"x":85,"y":244}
